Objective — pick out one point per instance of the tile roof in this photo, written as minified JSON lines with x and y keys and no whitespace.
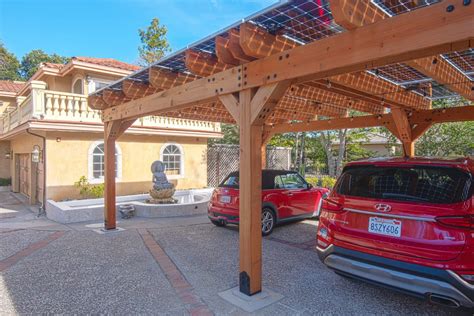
{"x":11,"y":86}
{"x":54,"y":65}
{"x":108,"y":62}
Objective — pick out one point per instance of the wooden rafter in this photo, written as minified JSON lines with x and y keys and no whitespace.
{"x":236,"y":49}
{"x":203,"y":64}
{"x":354,"y":14}
{"x":381,"y":90}
{"x":135,"y":89}
{"x":96,"y":102}
{"x":388,"y":41}
{"x":163,"y":80}
{"x":330,"y":98}
{"x":259,"y":43}
{"x":223,"y":52}
{"x":114,"y":97}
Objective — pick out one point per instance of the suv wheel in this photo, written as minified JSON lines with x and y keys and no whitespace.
{"x":268,"y":221}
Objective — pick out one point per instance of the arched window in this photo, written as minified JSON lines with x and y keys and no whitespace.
{"x":172,"y":157}
{"x":78,"y":87}
{"x":97,"y":161}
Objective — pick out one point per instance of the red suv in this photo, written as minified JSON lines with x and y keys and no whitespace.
{"x":406,"y":224}
{"x":286,"y":196}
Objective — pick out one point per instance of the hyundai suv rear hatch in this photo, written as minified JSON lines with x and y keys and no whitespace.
{"x":410,"y":210}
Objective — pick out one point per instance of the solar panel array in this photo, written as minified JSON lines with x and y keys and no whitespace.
{"x":305,"y":21}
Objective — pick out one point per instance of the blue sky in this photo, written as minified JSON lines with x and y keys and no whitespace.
{"x":108,"y":28}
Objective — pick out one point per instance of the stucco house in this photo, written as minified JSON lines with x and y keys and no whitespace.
{"x":50,"y":138}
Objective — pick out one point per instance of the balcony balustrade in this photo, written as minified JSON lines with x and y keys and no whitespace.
{"x":48,"y":105}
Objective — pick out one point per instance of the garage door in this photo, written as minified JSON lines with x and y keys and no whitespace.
{"x":24,"y":160}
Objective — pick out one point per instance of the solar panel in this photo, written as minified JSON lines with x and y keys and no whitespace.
{"x":394,"y":7}
{"x":305,"y":21}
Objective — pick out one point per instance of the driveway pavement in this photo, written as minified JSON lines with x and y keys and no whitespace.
{"x":172,"y":266}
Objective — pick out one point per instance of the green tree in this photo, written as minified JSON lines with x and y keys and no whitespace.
{"x":231,"y":135}
{"x":31,"y":62}
{"x":154,"y":43}
{"x":9,"y":65}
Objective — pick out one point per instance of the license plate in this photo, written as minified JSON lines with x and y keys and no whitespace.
{"x":384,"y":226}
{"x":225,"y":199}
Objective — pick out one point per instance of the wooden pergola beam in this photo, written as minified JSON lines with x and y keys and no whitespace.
{"x":259,"y":43}
{"x":419,"y":118}
{"x":236,"y":49}
{"x":444,"y":73}
{"x":354,"y":14}
{"x":223,"y":52}
{"x":134,"y":89}
{"x":330,"y":98}
{"x":203,"y":64}
{"x":114,"y":97}
{"x":163,"y":80}
{"x":388,"y":41}
{"x":96,"y":102}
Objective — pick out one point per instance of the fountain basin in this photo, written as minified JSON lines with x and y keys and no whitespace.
{"x":190,"y":202}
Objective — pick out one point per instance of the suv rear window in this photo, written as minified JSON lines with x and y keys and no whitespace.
{"x":414,"y":183}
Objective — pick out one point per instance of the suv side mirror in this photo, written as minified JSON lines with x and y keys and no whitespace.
{"x":325,"y":196}
{"x":309,"y":186}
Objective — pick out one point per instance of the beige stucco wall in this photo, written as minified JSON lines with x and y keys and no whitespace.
{"x":4,"y":162}
{"x":67,"y":161}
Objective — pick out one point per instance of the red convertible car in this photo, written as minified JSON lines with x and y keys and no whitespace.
{"x":286,"y":196}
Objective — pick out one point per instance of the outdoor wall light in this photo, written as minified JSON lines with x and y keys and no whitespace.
{"x":58,"y":139}
{"x":9,"y":155}
{"x":36,"y":154}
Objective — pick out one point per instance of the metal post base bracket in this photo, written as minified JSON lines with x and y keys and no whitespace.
{"x":252,"y":303}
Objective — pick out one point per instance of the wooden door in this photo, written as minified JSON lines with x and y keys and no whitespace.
{"x":24,"y":164}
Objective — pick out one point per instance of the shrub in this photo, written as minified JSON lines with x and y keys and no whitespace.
{"x":4,"y":182}
{"x":87,"y":190}
{"x":324,"y":181}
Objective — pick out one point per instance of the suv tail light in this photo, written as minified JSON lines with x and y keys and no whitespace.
{"x":331,"y":206}
{"x":466,"y":222}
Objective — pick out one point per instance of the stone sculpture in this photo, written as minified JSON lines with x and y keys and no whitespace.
{"x":162,"y":192}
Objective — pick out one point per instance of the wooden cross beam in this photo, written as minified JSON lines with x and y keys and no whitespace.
{"x":223,"y":52}
{"x":354,"y":14}
{"x":236,"y":49}
{"x":96,"y":102}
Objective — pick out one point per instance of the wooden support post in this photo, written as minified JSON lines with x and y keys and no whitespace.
{"x":250,"y":227}
{"x":112,"y":130}
{"x":403,"y":128}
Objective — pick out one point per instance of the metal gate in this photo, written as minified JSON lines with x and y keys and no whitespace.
{"x":223,"y":159}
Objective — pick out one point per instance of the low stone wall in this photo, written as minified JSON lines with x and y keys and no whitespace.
{"x":193,"y":202}
{"x":5,"y":188}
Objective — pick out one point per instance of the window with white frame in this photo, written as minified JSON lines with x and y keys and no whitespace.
{"x":97,"y":161}
{"x":172,"y":157}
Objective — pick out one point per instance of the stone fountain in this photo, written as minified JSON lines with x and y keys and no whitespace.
{"x":163,"y":191}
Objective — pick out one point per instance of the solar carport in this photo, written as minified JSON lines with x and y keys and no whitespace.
{"x":304,"y":65}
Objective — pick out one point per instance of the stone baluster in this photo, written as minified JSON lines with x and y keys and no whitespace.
{"x":55,"y":104}
{"x":62,"y":105}
{"x":49,"y":104}
{"x":70,"y":106}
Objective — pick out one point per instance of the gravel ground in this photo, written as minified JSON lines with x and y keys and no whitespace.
{"x":84,"y":272}
{"x":12,"y":242}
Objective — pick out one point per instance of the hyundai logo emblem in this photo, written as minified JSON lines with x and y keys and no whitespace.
{"x":383,"y":207}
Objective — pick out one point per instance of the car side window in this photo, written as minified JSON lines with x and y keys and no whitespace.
{"x":278,"y":183}
{"x":293,"y":181}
